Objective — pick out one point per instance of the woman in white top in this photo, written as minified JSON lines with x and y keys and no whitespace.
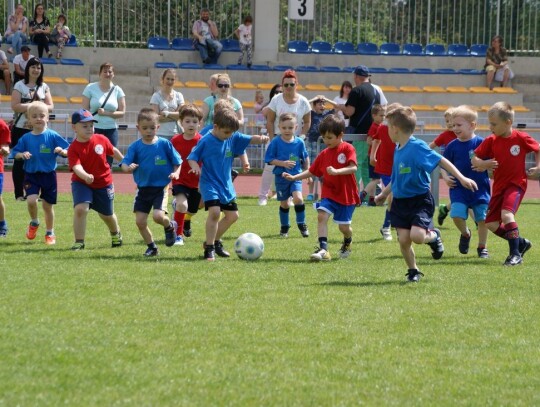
{"x":166,"y":102}
{"x":16,"y":33}
{"x":346,"y":88}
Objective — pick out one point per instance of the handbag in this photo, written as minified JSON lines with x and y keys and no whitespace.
{"x":105,"y":101}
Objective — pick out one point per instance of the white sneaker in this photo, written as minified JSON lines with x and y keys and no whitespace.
{"x":179,"y":241}
{"x":386,"y":233}
{"x":263,"y":201}
{"x":321,"y":255}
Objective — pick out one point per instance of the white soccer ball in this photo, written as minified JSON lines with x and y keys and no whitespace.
{"x":249,"y":246}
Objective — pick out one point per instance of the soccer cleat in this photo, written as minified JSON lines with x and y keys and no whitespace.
{"x":482,"y":253}
{"x":31,"y":231}
{"x":50,"y":240}
{"x":284,"y":231}
{"x":524,"y":246}
{"x":371,"y":203}
{"x":3,"y":232}
{"x":443,"y":213}
{"x":209,"y":252}
{"x":220,"y":251}
{"x":414,"y":275}
{"x":303,"y":229}
{"x":464,"y":242}
{"x":345,"y":250}
{"x":170,"y":234}
{"x":386,"y":233}
{"x":151,"y":252}
{"x":116,"y":240}
{"x":179,"y":241}
{"x":320,"y":255}
{"x":437,"y":247}
{"x":513,"y":260}
{"x":77,"y":246}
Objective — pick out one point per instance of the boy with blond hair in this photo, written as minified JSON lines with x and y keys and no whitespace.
{"x":412,"y":204}
{"x":504,"y":152}
{"x":459,"y":153}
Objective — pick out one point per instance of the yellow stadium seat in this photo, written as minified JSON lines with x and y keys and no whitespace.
{"x":76,"y":81}
{"x":485,"y":108}
{"x":266,"y":86}
{"x":76,"y":100}
{"x":196,"y":84}
{"x":5,"y":98}
{"x":482,"y":127}
{"x":52,"y":79}
{"x":411,"y":89}
{"x":504,"y":90}
{"x":244,"y":85}
{"x":198,"y":103}
{"x":388,"y":88}
{"x":434,"y":89}
{"x":335,"y":88}
{"x":178,"y":84}
{"x":316,"y":87}
{"x":59,"y":99}
{"x":248,"y":105}
{"x":300,"y":87}
{"x":480,"y":89}
{"x":422,"y":108}
{"x":457,"y":89}
{"x":433,"y":127}
{"x":521,"y":109}
{"x":441,"y":108}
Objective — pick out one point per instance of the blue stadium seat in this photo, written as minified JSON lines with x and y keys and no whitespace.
{"x":48,"y":61}
{"x":165,"y":65}
{"x":422,"y":71}
{"x":260,"y":67}
{"x":367,"y":48}
{"x":471,"y":71}
{"x":342,"y":47}
{"x":399,"y":70}
{"x":71,"y":61}
{"x":189,"y":65}
{"x":158,"y":43}
{"x":377,"y":69}
{"x":413,"y":49}
{"x":307,"y":68}
{"x":298,"y":47}
{"x":230,"y":45}
{"x":390,"y":48}
{"x":236,"y":67}
{"x":182,"y":44}
{"x":445,"y":71}
{"x":479,"y":50}
{"x":330,"y":69}
{"x":281,"y":67}
{"x":437,"y":50}
{"x":72,"y":41}
{"x":213,"y":66}
{"x":321,"y":47}
{"x":458,"y":50}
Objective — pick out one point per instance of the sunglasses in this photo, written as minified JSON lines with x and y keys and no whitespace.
{"x":223,"y":85}
{"x":287,"y":85}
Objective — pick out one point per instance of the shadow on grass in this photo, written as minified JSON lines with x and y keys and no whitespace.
{"x":361,"y":284}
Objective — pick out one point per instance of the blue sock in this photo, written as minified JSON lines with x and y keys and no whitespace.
{"x":386,"y":223}
{"x":323,"y":243}
{"x":284,"y":216}
{"x":300,"y":214}
{"x":3,"y":224}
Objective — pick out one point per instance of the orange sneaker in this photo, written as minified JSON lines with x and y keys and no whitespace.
{"x":31,"y":231}
{"x":50,"y":239}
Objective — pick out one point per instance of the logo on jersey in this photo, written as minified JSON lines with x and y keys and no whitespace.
{"x":341,"y":158}
{"x":403,"y":169}
{"x":514,"y":150}
{"x":99,"y":149}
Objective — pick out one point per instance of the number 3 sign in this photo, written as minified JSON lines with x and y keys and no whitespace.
{"x":301,"y":9}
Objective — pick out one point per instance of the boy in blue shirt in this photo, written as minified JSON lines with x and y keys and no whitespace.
{"x":413,"y":205}
{"x":287,"y":153}
{"x":216,"y":152}
{"x":153,"y":162}
{"x":459,"y":152}
{"x":39,"y":149}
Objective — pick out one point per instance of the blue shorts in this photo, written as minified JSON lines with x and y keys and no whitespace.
{"x":101,"y":200}
{"x":342,"y":213}
{"x":34,"y":182}
{"x":460,"y":210}
{"x":231,"y":206}
{"x":372,"y":173}
{"x":148,"y":197}
{"x":286,"y":188}
{"x":386,"y":179}
{"x":1,"y":182}
{"x":192,"y":194}
{"x":415,"y":211}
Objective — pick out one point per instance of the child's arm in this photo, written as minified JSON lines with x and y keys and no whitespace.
{"x":118,"y":156}
{"x":195,"y":169}
{"x":4,"y":150}
{"x":451,"y":168}
{"x":79,"y":171}
{"x":259,"y":139}
{"x":381,"y":198}
{"x":349,"y":169}
{"x":284,"y":163}
{"x":482,"y":165}
{"x":303,"y":175}
{"x":129,"y":168}
{"x":61,"y":151}
{"x":374,"y":147}
{"x":245,"y":162}
{"x":176,"y":173}
{"x":26,"y":155}
{"x":536,"y":169}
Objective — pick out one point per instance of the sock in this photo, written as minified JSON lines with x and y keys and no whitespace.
{"x":386,"y":223}
{"x":347,"y":240}
{"x":300,"y":213}
{"x":284,"y":216}
{"x":501,"y":232}
{"x":79,"y":241}
{"x":179,"y":219}
{"x":371,"y":199}
{"x":49,"y":232}
{"x":187,"y":224}
{"x":481,"y":246}
{"x":115,"y":233}
{"x":468,"y":234}
{"x":152,"y":245}
{"x":323,"y":243}
{"x":188,"y":217}
{"x":34,"y":222}
{"x":512,"y":234}
{"x":168,"y":228}
{"x":3,"y":224}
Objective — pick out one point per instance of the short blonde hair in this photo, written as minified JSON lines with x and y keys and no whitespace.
{"x":37,"y":106}
{"x":223,"y":104}
{"x":449,"y":112}
{"x":466,"y":112}
{"x":147,"y":114}
{"x":402,"y":117}
{"x":287,"y":116}
{"x":502,"y":110}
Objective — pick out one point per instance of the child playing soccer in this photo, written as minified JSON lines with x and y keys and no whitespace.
{"x":92,"y":183}
{"x":153,"y":162}
{"x":337,"y":165}
{"x":287,"y":153}
{"x":39,"y":149}
{"x":504,"y":152}
{"x":412,"y":204}
{"x":186,"y":187}
{"x":5,"y":139}
{"x":377,"y":113}
{"x":459,"y":153}
{"x":216,"y":152}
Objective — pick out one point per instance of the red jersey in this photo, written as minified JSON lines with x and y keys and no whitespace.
{"x":443,"y":139}
{"x":510,"y":154}
{"x":385,"y":152}
{"x":92,"y":155}
{"x":371,"y":132}
{"x":5,"y":138}
{"x":342,"y":189}
{"x":184,"y":147}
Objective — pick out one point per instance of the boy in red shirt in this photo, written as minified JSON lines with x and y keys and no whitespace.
{"x":504,"y":152}
{"x":186,"y":187}
{"x":377,"y":113}
{"x":91,"y":182}
{"x":5,"y":140}
{"x":337,"y":164}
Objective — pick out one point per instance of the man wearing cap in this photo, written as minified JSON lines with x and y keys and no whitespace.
{"x":19,"y":63}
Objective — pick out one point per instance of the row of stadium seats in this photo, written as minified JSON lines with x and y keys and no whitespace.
{"x":443,"y":108}
{"x":388,"y":48}
{"x":186,"y":44}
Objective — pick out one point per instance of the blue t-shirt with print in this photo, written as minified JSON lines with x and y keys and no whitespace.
{"x":41,"y":146}
{"x":279,"y":149}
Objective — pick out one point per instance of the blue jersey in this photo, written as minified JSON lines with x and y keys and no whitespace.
{"x":41,"y":146}
{"x":217,"y":158}
{"x":156,"y":162}
{"x":206,"y":130}
{"x":413,"y":164}
{"x":279,"y":149}
{"x":460,"y":153}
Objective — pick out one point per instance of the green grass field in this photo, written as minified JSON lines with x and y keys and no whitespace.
{"x":107,"y":327}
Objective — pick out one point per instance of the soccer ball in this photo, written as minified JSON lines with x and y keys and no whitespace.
{"x":249,"y":246}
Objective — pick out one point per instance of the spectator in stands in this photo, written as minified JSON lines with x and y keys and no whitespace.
{"x":5,"y":74}
{"x":258,"y":106}
{"x":243,"y":32}
{"x":16,"y":31}
{"x":497,"y":63}
{"x":205,"y":32}
{"x":276,"y":90}
{"x":40,"y":29}
{"x":223,"y":91}
{"x":30,"y":89}
{"x":60,"y":34}
{"x":346,"y":88}
{"x":107,"y":102}
{"x":20,"y":61}
{"x":166,"y":102}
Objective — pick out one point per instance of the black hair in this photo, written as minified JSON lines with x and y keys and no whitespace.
{"x":32,"y":62}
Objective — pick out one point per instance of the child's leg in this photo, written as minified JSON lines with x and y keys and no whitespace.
{"x":80,"y":212}
{"x":242,"y":51}
{"x":405,"y":245}
{"x":482,"y":234}
{"x":31,"y":202}
{"x":160,"y":217}
{"x":141,"y":219}
{"x":214,"y":212}
{"x":225,"y":223}
{"x":180,"y":213}
{"x":48,"y":211}
{"x":419,"y":235}
{"x":249,"y":50}
{"x":112,"y":223}
{"x":300,"y":210}
{"x":2,"y":210}
{"x":266,"y":181}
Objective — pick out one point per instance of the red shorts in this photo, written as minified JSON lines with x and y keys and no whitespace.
{"x":509,"y":200}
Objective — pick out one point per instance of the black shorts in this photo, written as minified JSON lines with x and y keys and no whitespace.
{"x":415,"y":211}
{"x":148,"y":197}
{"x":192,"y":194}
{"x":372,"y":173}
{"x":231,"y":206}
